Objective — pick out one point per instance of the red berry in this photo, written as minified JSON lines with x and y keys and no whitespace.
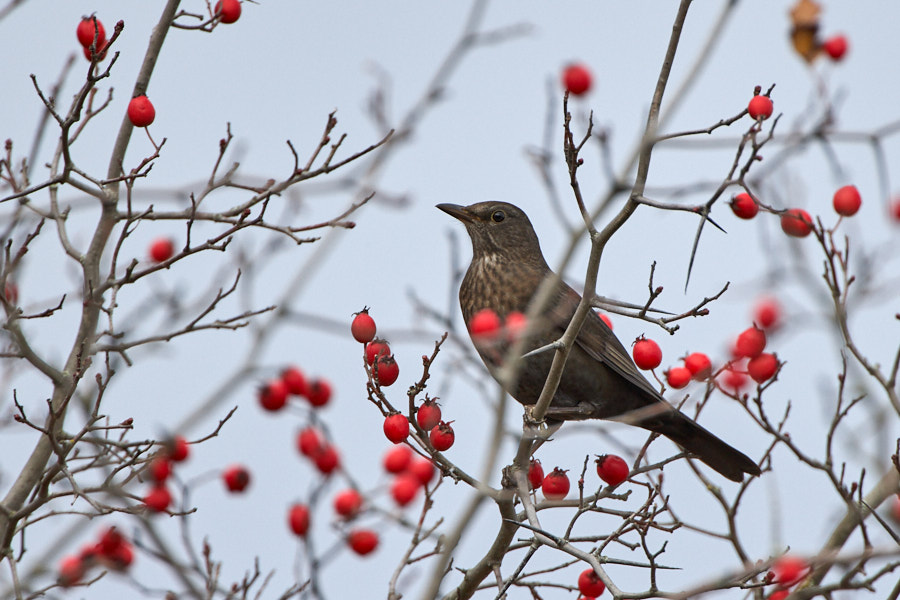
{"x":678,"y":377}
{"x":515,"y":325}
{"x":294,"y":381}
{"x":362,"y":541}
{"x":363,"y":327}
{"x":847,"y":201}
{"x":612,"y":469}
{"x":162,"y":249}
{"x":327,"y":459}
{"x":386,"y":370}
{"x":744,"y":206}
{"x":86,"y":32}
{"x":760,"y":107}
{"x":377,"y":347}
{"x":767,"y":313}
{"x":751,"y":342}
{"x":121,"y":557}
{"x":309,"y":442}
{"x":404,"y":489}
{"x":110,"y":540}
{"x":646,"y":353}
{"x":348,"y":503}
{"x":895,"y":508}
{"x":429,"y":414}
{"x":158,"y":499}
{"x":535,"y":474}
{"x":98,"y":54}
{"x":397,"y":459}
{"x":796,"y":222}
{"x":605,"y":318}
{"x":699,"y":365}
{"x":733,"y":379}
{"x":895,"y":208}
{"x":229,"y":11}
{"x":442,"y":436}
{"x":762,"y":367}
{"x":11,"y":292}
{"x":589,"y":584}
{"x":835,"y":47}
{"x":423,"y":470}
{"x":178,"y":449}
{"x":141,"y":111}
{"x":576,"y":79}
{"x":71,"y":570}
{"x":789,"y":570}
{"x":298,"y":519}
{"x":555,"y":485}
{"x":318,"y":392}
{"x":396,"y":427}
{"x":273,"y":395}
{"x":779,"y":594}
{"x":160,"y":469}
{"x":484,"y":326}
{"x":236,"y":478}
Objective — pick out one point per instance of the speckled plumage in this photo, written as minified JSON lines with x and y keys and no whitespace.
{"x":600,"y":381}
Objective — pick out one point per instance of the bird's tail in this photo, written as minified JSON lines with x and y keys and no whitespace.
{"x":708,"y":448}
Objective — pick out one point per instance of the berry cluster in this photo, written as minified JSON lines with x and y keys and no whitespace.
{"x":112,"y":550}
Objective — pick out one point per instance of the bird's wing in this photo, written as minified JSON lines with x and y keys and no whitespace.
{"x":598,"y":341}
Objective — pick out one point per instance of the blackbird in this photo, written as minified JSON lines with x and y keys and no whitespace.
{"x":599,"y":381}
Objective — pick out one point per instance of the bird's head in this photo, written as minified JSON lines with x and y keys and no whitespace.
{"x":499,"y":231}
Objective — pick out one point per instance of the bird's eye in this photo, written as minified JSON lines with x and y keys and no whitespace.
{"x":498,"y":216}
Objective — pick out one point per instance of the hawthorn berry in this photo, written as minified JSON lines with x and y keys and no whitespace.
{"x":160,"y":468}
{"x":386,"y":370}
{"x":612,"y":469}
{"x":535,"y":474}
{"x":895,"y":508}
{"x":178,"y":449}
{"x":99,"y":53}
{"x":397,"y":459}
{"x":363,"y":541}
{"x":298,"y":519}
{"x":733,"y":379}
{"x":760,"y":107}
{"x":442,"y":436}
{"x":767,"y":313}
{"x":141,"y":112}
{"x":590,"y":584}
{"x":236,"y":478}
{"x":555,"y":485}
{"x":576,"y":79}
{"x":646,"y":353}
{"x":86,"y":32}
{"x":404,"y":489}
{"x":294,"y":381}
{"x":318,"y":392}
{"x":348,"y":503}
{"x":835,"y":47}
{"x":847,"y":201}
{"x":751,"y":342}
{"x":119,"y":558}
{"x":761,"y":368}
{"x":162,"y":249}
{"x":796,"y":222}
{"x":273,"y":395}
{"x":605,"y":318}
{"x":158,"y":498}
{"x":515,"y":325}
{"x":228,"y":11}
{"x":429,"y":414}
{"x":744,"y":206}
{"x":423,"y":470}
{"x":678,"y":377}
{"x":779,"y":594}
{"x":327,"y":459}
{"x":396,"y":427}
{"x":363,"y":327}
{"x":377,"y":347}
{"x":699,"y":365}
{"x":789,"y":569}
{"x":71,"y":570}
{"x":895,"y":208}
{"x":309,"y":441}
{"x":484,"y":325}
{"x":110,"y":540}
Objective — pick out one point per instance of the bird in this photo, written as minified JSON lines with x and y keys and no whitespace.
{"x":600,"y":380}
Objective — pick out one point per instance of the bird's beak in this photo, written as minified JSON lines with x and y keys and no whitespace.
{"x":457,"y":212}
